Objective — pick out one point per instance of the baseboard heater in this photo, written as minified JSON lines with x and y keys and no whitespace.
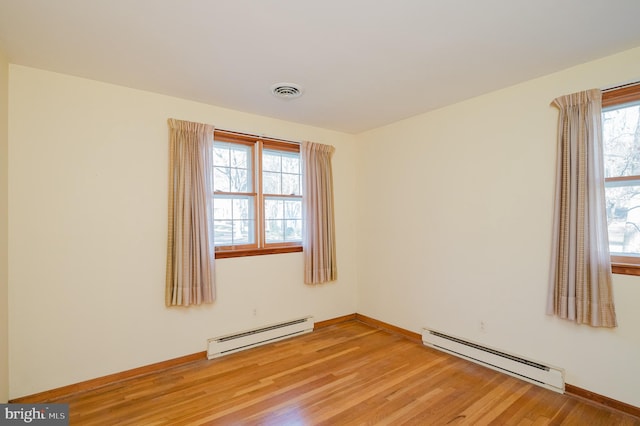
{"x":224,"y":345}
{"x":531,"y":371}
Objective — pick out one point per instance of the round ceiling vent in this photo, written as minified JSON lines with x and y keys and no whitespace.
{"x":286,"y":90}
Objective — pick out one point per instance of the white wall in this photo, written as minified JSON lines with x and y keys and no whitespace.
{"x":457,"y":229}
{"x":87,"y":248}
{"x":4,"y":208}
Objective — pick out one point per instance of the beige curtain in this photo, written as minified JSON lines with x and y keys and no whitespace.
{"x":319,"y":239}
{"x":580,"y":283}
{"x":190,"y":250}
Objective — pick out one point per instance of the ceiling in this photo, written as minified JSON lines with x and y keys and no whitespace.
{"x":361,"y":63}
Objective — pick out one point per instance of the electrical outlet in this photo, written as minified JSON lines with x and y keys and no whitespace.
{"x":483,"y":326}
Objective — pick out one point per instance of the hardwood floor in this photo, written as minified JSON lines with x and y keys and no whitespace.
{"x":345,"y":374}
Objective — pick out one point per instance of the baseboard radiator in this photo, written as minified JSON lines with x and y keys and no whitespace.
{"x":531,"y":371}
{"x":224,"y":345}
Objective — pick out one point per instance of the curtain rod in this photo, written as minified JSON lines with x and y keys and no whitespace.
{"x":620,"y":86}
{"x":257,"y":136}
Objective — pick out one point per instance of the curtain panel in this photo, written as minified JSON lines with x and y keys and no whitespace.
{"x":580,"y":287}
{"x":190,"y":249}
{"x":318,"y":240}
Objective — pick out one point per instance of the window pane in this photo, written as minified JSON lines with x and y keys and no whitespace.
{"x":221,"y":181}
{"x":290,"y":184}
{"x":291,"y":163}
{"x":271,"y":183}
{"x":240,"y":157}
{"x":621,"y":138}
{"x":234,"y":220}
{"x":271,"y":161}
{"x":239,"y":181}
{"x":273,"y":231}
{"x":241,"y":208}
{"x":283,"y":220}
{"x":222,"y":208}
{"x":223,"y":232}
{"x":281,"y":173}
{"x":221,"y":155}
{"x":242,"y":231}
{"x":293,"y":230}
{"x":293,"y":209}
{"x":623,"y":219}
{"x":232,"y":167}
{"x":273,"y":209}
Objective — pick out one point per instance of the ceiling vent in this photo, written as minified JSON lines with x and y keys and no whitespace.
{"x":286,"y":90}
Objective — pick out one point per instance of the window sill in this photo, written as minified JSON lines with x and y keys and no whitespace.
{"x":226,"y":254}
{"x":625,"y":269}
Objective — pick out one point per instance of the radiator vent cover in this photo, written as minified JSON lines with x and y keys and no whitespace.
{"x":230,"y":343}
{"x":525,"y":369}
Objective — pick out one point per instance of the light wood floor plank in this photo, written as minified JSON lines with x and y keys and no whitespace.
{"x":343,"y":374}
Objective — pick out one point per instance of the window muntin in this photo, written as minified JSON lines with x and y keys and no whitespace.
{"x":621,"y":146}
{"x":257,"y":195}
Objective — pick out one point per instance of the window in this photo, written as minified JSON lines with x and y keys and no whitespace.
{"x":282,"y":185}
{"x":621,"y":142}
{"x":257,"y":200}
